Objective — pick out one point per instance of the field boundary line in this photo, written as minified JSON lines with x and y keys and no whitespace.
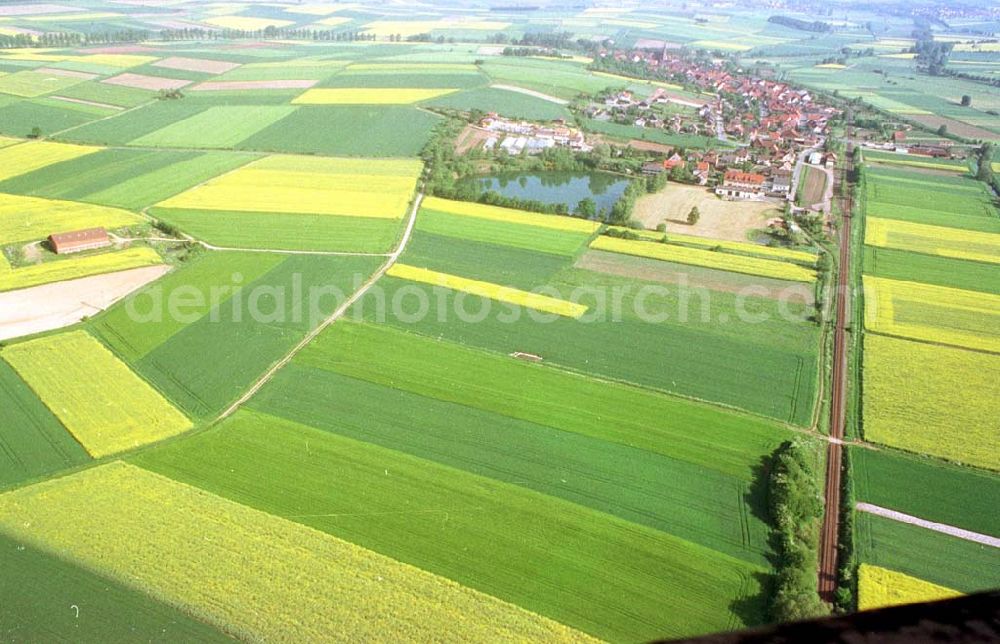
{"x":943,"y":528}
{"x":105,"y":118}
{"x":336,"y":315}
{"x":530,"y":92}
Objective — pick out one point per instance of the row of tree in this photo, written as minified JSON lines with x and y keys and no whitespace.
{"x":796,"y":505}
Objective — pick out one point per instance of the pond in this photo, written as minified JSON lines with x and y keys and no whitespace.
{"x":568,"y":188}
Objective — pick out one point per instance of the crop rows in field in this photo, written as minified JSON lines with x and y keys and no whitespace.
{"x":897,"y":264}
{"x":32,"y":441}
{"x":932,"y":399}
{"x":936,"y":314}
{"x":21,"y":159}
{"x":124,"y":178}
{"x":350,"y":589}
{"x":75,"y":267}
{"x":925,"y":554}
{"x":707,"y":258}
{"x":589,"y":570}
{"x":517,"y":229}
{"x":913,"y":161}
{"x":46,"y":585}
{"x":515,"y":235}
{"x":222,"y":126}
{"x":778,"y":355}
{"x":933,"y":240}
{"x":927,"y":488}
{"x":96,"y":396}
{"x":243,"y":312}
{"x":880,"y":588}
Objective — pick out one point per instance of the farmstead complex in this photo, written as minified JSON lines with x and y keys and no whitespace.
{"x":612,"y":322}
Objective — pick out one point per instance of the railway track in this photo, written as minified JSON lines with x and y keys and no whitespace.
{"x":830,"y":534}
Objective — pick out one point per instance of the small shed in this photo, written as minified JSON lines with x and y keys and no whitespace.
{"x":79,"y":240}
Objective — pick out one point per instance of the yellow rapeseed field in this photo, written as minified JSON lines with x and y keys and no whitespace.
{"x":933,"y":240}
{"x":103,"y":403}
{"x":706,"y":258}
{"x":75,"y":267}
{"x":368,"y":95}
{"x":879,"y":587}
{"x":246,"y":23}
{"x":932,"y":399}
{"x":509,"y":215}
{"x":6,"y":141}
{"x":250,"y":574}
{"x":31,"y":218}
{"x":489,"y":290}
{"x":939,"y":314}
{"x":24,"y":158}
{"x":318,"y":186}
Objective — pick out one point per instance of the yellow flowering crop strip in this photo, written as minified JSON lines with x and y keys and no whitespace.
{"x":509,"y":215}
{"x":706,"y":258}
{"x":770,"y":252}
{"x":250,"y":574}
{"x":33,"y":218}
{"x":933,"y":240}
{"x":318,"y":186}
{"x":103,"y":403}
{"x":6,"y":141}
{"x":489,"y":290}
{"x":24,"y":158}
{"x":940,"y":314}
{"x":75,"y":267}
{"x":880,"y":587}
{"x":368,"y":95}
{"x":931,"y":399}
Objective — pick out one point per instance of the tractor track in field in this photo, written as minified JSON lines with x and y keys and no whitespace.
{"x":830,"y":534}
{"x":333,"y":317}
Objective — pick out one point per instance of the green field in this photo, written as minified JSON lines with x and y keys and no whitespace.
{"x":21,"y":117}
{"x":925,"y":554}
{"x":40,"y":591}
{"x":930,"y":269}
{"x":134,"y":336}
{"x":728,"y":443}
{"x":286,"y":231}
{"x":527,"y":237}
{"x":589,"y":570}
{"x":221,"y":350}
{"x":347,"y":130}
{"x":222,"y":126}
{"x":32,"y":441}
{"x":504,"y":102}
{"x":128,"y":126}
{"x":124,"y":178}
{"x":774,"y":376}
{"x":928,"y":489}
{"x":108,"y":94}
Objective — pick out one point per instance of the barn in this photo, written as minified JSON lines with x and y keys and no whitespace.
{"x":79,"y":240}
